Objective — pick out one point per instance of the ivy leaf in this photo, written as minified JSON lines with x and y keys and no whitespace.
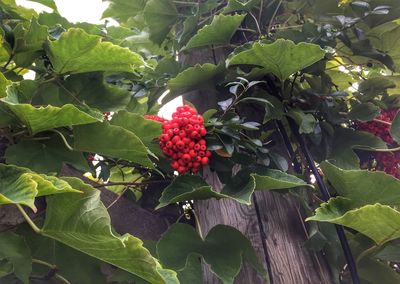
{"x":147,"y":130}
{"x":395,"y":128}
{"x":122,"y":10}
{"x":83,"y":223}
{"x":196,"y":77}
{"x":379,"y":222}
{"x":46,"y":156}
{"x":224,"y":249}
{"x":363,"y":186}
{"x":345,"y":141}
{"x":220,"y":31}
{"x":364,"y":112}
{"x":281,"y":58}
{"x":14,"y":249}
{"x":78,"y":52}
{"x":160,"y":16}
{"x":111,"y":140}
{"x":39,"y":119}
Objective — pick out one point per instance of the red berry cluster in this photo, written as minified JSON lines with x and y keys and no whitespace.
{"x":378,"y":128}
{"x":389,"y":163}
{"x":155,"y":118}
{"x":386,"y":161}
{"x":182,"y":140}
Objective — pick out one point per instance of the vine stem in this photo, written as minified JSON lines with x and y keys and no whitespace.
{"x":326,"y":196}
{"x":197,"y":220}
{"x":28,"y":219}
{"x":273,"y":17}
{"x":52,"y":267}
{"x":64,"y":139}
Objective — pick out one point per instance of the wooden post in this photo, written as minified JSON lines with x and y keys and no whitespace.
{"x":272,"y":223}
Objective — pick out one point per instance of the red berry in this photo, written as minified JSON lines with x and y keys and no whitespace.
{"x":204,"y":161}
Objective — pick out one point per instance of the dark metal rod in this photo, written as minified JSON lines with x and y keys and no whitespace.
{"x":324,"y":191}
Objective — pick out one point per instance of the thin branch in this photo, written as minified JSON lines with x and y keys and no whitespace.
{"x":273,"y":16}
{"x":28,"y":219}
{"x":53,"y":268}
{"x":197,"y":220}
{"x":257,"y":24}
{"x":131,"y":183}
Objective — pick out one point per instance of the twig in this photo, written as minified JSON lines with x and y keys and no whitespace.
{"x":197,"y":220}
{"x":257,"y":24}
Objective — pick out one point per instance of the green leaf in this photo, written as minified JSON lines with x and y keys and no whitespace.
{"x":395,"y":128}
{"x":4,"y":83}
{"x":364,"y":111}
{"x":345,"y":141}
{"x":21,"y":186}
{"x":362,"y":186}
{"x":145,"y":129}
{"x":274,"y":179}
{"x":78,"y":52}
{"x":375,"y":271}
{"x":224,"y":249}
{"x":238,"y":5}
{"x":306,"y":121}
{"x":14,"y":249}
{"x":220,"y":31}
{"x":122,"y":10}
{"x":111,"y":140}
{"x":385,"y":38}
{"x":6,"y":268}
{"x":187,"y":187}
{"x":39,"y":119}
{"x":160,"y":16}
{"x":379,"y":222}
{"x":196,"y":77}
{"x":82,"y":222}
{"x":281,"y":58}
{"x":46,"y":156}
{"x":373,"y":87}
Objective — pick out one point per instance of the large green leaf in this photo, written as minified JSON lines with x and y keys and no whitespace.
{"x":345,"y":141}
{"x":82,"y":222}
{"x":224,"y":249}
{"x":364,"y":112}
{"x":78,"y":52}
{"x":21,"y":186}
{"x":385,"y":38}
{"x":239,"y":188}
{"x":219,"y":31}
{"x":122,"y":10}
{"x":281,"y":58}
{"x":197,"y":77}
{"x":362,"y":186}
{"x":378,"y":222}
{"x":160,"y":16}
{"x":395,"y":128}
{"x":14,"y":250}
{"x":147,"y":130}
{"x":46,"y":156}
{"x":45,"y":118}
{"x":111,"y":140}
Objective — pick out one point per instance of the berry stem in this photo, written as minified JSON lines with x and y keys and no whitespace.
{"x":53,"y":268}
{"x":28,"y":219}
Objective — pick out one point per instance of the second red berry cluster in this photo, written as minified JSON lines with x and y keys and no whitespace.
{"x":377,"y":128}
{"x":183,"y":140}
